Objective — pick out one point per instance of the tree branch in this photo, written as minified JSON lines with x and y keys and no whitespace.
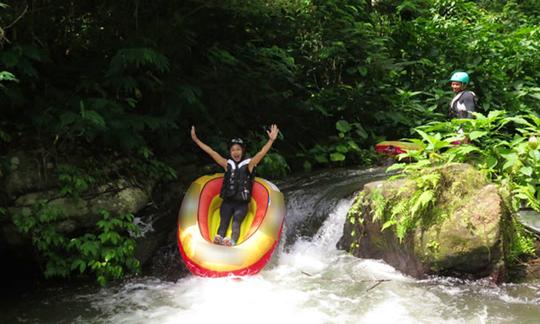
{"x":18,"y":18}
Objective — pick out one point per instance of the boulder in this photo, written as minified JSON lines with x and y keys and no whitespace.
{"x":117,"y":198}
{"x":28,"y":171}
{"x":459,"y":234}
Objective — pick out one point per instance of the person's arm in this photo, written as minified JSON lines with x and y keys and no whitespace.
{"x":470,"y":102}
{"x":272,"y":135}
{"x":466,"y":104}
{"x":213,"y":154}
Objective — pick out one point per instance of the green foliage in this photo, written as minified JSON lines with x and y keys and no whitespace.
{"x":73,"y":180}
{"x":410,"y":207}
{"x":337,"y":75}
{"x":342,"y":147}
{"x":106,"y":253}
{"x":137,"y":58}
{"x":21,"y":59}
{"x":500,"y":145}
{"x":7,"y":76}
{"x":379,"y":206}
{"x":520,"y":244}
{"x":155,"y":169}
{"x":273,"y":166}
{"x":4,"y":216}
{"x":5,"y":137}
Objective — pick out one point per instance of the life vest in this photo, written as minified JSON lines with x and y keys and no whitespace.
{"x":463,"y":104}
{"x":237,"y":182}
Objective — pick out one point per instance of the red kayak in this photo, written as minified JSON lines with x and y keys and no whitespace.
{"x":393,"y":148}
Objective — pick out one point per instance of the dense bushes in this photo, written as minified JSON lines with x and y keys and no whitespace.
{"x":133,"y":77}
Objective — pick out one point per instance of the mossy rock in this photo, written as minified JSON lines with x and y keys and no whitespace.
{"x":27,"y":172}
{"x":469,"y":240}
{"x":460,"y":234}
{"x":81,"y":212}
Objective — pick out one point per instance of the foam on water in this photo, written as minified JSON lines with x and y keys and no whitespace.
{"x":313,"y":282}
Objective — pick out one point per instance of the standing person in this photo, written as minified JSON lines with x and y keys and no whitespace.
{"x":237,"y":182}
{"x":463,"y":103}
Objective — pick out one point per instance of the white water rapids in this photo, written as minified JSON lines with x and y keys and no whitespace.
{"x":308,"y":282}
{"x":314,"y":283}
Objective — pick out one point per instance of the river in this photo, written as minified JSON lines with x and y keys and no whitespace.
{"x":307,"y":281}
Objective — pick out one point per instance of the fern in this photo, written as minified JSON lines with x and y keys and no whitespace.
{"x":137,"y":58}
{"x":127,"y":84}
{"x":220,"y":56}
{"x":399,"y":209}
{"x":407,"y":211}
{"x":379,"y":205}
{"x":91,"y":116}
{"x":422,"y":202}
{"x":8,"y":76}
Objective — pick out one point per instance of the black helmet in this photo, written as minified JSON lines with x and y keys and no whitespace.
{"x":238,"y":141}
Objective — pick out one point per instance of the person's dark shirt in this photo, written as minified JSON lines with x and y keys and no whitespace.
{"x":463,"y":105}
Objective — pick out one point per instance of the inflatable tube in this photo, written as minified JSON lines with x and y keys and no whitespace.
{"x":393,"y":148}
{"x":198,"y":221}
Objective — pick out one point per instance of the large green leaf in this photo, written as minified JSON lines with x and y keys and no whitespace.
{"x":337,"y":157}
{"x":343,"y":126}
{"x":7,"y":76}
{"x":477,"y":134}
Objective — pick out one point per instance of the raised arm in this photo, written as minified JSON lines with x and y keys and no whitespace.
{"x":213,"y":154}
{"x":272,"y":135}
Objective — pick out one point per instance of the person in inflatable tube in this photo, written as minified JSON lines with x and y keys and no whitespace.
{"x":237,"y":182}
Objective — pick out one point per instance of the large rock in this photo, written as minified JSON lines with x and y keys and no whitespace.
{"x":26,"y":172}
{"x":116,"y":198}
{"x":461,"y":235}
{"x":30,"y":181}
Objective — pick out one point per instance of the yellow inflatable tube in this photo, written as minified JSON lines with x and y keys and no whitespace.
{"x":198,"y":221}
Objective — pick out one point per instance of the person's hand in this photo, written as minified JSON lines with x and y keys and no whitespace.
{"x":273,"y":132}
{"x":193,"y":134}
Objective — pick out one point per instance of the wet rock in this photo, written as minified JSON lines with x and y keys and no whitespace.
{"x":533,"y":270}
{"x":122,"y":198}
{"x":116,"y":198}
{"x":311,"y":197}
{"x":28,"y":181}
{"x":167,"y":264}
{"x":79,"y":216}
{"x":461,"y":235}
{"x":28,"y":171}
{"x":469,"y":240}
{"x":157,"y":250}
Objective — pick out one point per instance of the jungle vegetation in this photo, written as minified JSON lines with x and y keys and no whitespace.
{"x":100,"y":81}
{"x":129,"y":77}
